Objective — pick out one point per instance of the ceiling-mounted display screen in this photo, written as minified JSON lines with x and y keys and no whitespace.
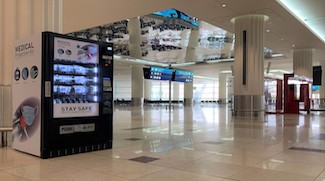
{"x":168,"y":13}
{"x":189,"y":19}
{"x":317,"y":75}
{"x":157,"y":73}
{"x":173,"y":13}
{"x":183,"y":76}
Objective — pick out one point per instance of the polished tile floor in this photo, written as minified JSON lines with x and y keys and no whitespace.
{"x":189,"y":143}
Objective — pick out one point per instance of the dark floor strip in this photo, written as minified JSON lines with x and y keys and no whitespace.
{"x":307,"y":149}
{"x":134,"y":128}
{"x":213,"y":142}
{"x":144,"y":159}
{"x":133,"y":139}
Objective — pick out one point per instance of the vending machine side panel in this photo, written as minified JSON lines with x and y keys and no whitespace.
{"x":106,"y":72}
{"x":46,"y":91}
{"x":26,"y":95}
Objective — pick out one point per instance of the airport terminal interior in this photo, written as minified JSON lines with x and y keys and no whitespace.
{"x":220,"y":90}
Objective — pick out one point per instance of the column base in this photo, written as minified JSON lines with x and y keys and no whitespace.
{"x":188,"y":102}
{"x":223,"y":101}
{"x":249,"y":106}
{"x":321,"y":103}
{"x":137,"y":101}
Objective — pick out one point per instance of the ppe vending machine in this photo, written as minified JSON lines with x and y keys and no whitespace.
{"x":62,"y":95}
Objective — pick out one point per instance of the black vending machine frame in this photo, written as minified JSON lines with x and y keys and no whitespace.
{"x":52,"y":143}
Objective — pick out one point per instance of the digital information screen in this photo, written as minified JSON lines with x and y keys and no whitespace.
{"x":189,"y":19}
{"x":158,"y":73}
{"x":173,"y":13}
{"x":183,"y":76}
{"x":169,"y":13}
{"x":315,"y":88}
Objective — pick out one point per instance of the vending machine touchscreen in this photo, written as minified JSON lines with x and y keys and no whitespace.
{"x":75,"y":79}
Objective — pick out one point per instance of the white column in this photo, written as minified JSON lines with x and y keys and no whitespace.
{"x":52,"y":15}
{"x":303,"y":62}
{"x":249,"y":65}
{"x":223,"y":88}
{"x":147,"y":89}
{"x":135,"y":37}
{"x":192,"y":46}
{"x":137,"y":85}
{"x":38,"y":18}
{"x":188,"y":119}
{"x":137,"y":71}
{"x":24,"y":18}
{"x":230,"y":88}
{"x":175,"y":91}
{"x":188,"y":93}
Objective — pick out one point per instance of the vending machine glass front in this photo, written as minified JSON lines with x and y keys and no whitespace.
{"x":75,"y":81}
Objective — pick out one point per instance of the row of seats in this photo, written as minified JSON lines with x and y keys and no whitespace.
{"x":209,"y":101}
{"x":122,"y":102}
{"x":160,"y":101}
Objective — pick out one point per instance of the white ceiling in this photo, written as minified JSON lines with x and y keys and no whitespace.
{"x":285,"y":29}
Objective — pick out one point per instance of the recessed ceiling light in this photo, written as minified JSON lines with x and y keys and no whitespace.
{"x":224,"y":5}
{"x":293,"y":45}
{"x":267,"y":30}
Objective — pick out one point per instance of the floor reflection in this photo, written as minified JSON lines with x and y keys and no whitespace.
{"x":189,"y":143}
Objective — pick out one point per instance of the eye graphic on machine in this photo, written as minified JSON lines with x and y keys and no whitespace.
{"x":87,"y":52}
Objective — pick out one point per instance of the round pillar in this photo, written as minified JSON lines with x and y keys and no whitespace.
{"x":192,"y":46}
{"x":230,"y":88}
{"x":147,"y":89}
{"x":303,"y":62}
{"x":134,"y":28}
{"x":249,"y":65}
{"x":175,"y":91}
{"x":222,"y":88}
{"x":303,"y":66}
{"x":188,"y":93}
{"x":137,"y":86}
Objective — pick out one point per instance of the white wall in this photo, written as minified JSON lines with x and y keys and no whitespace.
{"x":122,"y":83}
{"x":205,"y":90}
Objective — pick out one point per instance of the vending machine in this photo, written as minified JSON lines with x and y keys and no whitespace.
{"x":62,"y":95}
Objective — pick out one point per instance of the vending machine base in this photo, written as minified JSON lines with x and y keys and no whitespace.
{"x":75,"y":150}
